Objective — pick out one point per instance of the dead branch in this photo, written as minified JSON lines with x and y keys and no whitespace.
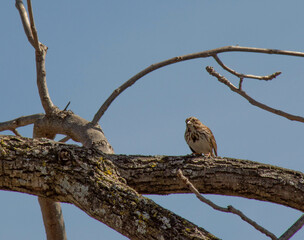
{"x":204,"y":54}
{"x":293,"y":229}
{"x":229,"y":209}
{"x":52,"y":219}
{"x":40,"y":52}
{"x":20,"y":122}
{"x":25,"y":21}
{"x":33,"y":27}
{"x":242,"y":76}
{"x":224,"y":80}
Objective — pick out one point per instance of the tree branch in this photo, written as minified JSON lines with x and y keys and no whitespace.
{"x":242,"y":76}
{"x":51,"y":210}
{"x":224,"y":80}
{"x":293,"y":229}
{"x":33,"y":27}
{"x":20,"y":122}
{"x":229,"y":209}
{"x":31,"y":33}
{"x":85,"y":178}
{"x":52,"y":219}
{"x":234,"y":177}
{"x":25,"y":21}
{"x":204,"y":54}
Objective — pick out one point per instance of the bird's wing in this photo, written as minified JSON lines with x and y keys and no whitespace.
{"x":214,"y":146}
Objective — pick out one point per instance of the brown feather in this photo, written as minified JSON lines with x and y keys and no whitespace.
{"x":200,"y":138}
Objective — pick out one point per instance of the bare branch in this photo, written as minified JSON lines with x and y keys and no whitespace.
{"x":52,"y":219}
{"x":293,"y":229}
{"x":33,"y":28}
{"x":229,"y":209}
{"x":25,"y":21}
{"x":224,"y":80}
{"x":31,"y":33}
{"x":240,"y":75}
{"x":65,"y":139}
{"x":77,"y":128}
{"x":45,"y":98}
{"x":20,"y":122}
{"x":66,"y":107}
{"x":16,"y":133}
{"x":241,"y":83}
{"x":204,"y":54}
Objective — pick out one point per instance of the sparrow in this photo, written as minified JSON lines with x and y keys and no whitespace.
{"x":199,"y":138}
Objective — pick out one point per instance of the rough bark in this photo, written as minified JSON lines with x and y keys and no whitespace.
{"x":225,"y":176}
{"x":87,"y":179}
{"x":100,"y":184}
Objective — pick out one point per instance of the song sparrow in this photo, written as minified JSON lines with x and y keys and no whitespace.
{"x":200,"y":138}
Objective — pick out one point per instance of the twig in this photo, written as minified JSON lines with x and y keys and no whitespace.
{"x":20,"y":122}
{"x":204,"y":54}
{"x":229,"y":209}
{"x":241,"y":83}
{"x":16,"y":133}
{"x":65,"y":139}
{"x":41,"y":50}
{"x":33,"y":28}
{"x":66,"y":107}
{"x":240,"y":75}
{"x":25,"y":21}
{"x":293,"y":229}
{"x":224,"y":80}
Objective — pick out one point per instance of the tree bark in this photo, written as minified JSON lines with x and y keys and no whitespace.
{"x":225,"y":176}
{"x":87,"y":179}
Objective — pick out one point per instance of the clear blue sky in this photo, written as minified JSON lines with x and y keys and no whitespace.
{"x":94,"y":46}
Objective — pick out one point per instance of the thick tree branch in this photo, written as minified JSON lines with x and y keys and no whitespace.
{"x":224,"y":80}
{"x":77,"y":128}
{"x":51,"y":210}
{"x":229,"y":209}
{"x":204,"y":54}
{"x":52,"y":219}
{"x":85,"y":178}
{"x":224,"y":176}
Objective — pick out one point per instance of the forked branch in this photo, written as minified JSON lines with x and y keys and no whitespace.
{"x":31,"y":33}
{"x":233,"y":88}
{"x":287,"y":235}
{"x":229,"y":209}
{"x":209,"y":53}
{"x":241,"y":75}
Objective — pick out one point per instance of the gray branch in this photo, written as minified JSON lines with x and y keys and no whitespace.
{"x":229,"y":209}
{"x":239,"y":90}
{"x":204,"y":54}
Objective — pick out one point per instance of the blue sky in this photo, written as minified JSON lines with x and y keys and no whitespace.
{"x":95,"y":46}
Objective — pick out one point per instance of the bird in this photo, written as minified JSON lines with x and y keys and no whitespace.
{"x":199,"y":138}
